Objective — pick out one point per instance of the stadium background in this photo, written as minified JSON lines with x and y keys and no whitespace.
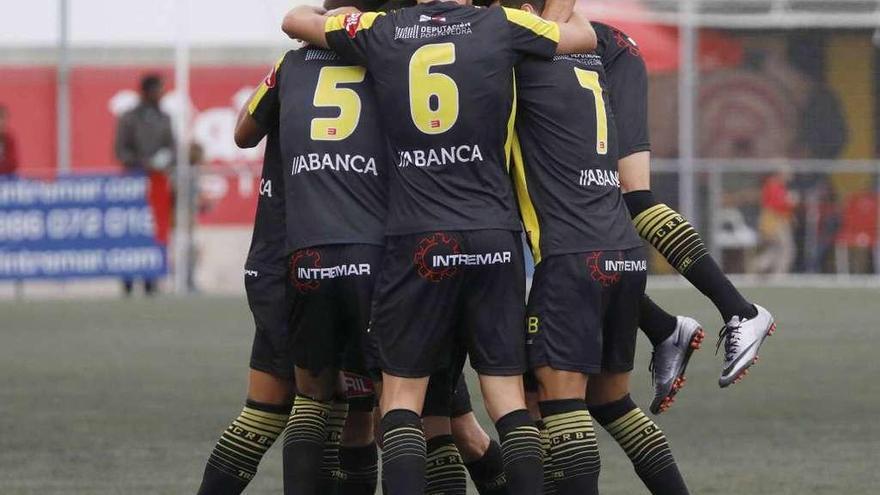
{"x":108,"y":396}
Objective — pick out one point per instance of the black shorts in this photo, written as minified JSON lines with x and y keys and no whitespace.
{"x":461,"y":399}
{"x":583,"y":311}
{"x":444,"y":291}
{"x":331,"y":290}
{"x":268,"y":295}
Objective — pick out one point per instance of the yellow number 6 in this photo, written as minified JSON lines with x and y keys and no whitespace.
{"x":329,"y":94}
{"x":425,"y":85}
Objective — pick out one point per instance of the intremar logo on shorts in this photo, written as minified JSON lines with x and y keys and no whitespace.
{"x":307,"y":272}
{"x":439,"y":257}
{"x":606,"y":268}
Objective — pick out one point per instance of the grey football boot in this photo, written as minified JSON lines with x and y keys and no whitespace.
{"x":670,"y":359}
{"x":742,"y":338}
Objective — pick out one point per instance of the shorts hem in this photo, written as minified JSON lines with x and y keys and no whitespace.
{"x":270,"y":369}
{"x":499,"y":371}
{"x":618,"y":368}
{"x":406,"y":373}
{"x":587,"y":369}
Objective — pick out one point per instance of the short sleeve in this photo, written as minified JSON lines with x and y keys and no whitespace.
{"x":264,"y":104}
{"x":530,"y":34}
{"x":349,"y":35}
{"x":628,"y":84}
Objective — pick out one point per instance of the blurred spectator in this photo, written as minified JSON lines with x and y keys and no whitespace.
{"x":145,"y":144}
{"x":776,"y":225}
{"x":8,"y":150}
{"x":197,"y":204}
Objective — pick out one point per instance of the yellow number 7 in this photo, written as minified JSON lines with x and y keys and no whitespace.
{"x":590,"y":80}
{"x":329,"y":94}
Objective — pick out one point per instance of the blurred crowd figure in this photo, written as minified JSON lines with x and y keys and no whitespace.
{"x":8,"y":149}
{"x":145,"y":145}
{"x":198,"y":204}
{"x":776,"y":226}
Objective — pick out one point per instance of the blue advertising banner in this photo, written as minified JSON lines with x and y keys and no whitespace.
{"x":77,"y":227}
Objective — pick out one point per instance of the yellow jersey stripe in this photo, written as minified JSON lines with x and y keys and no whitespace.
{"x":511,"y":122}
{"x":526,"y":207}
{"x":263,"y":88}
{"x":533,"y":23}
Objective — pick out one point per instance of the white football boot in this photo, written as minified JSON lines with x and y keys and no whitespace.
{"x":742,"y":338}
{"x":670,"y":359}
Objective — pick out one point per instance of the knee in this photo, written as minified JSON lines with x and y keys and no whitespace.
{"x":604,"y":389}
{"x":502,"y":395}
{"x":269,"y":389}
{"x":320,"y":387}
{"x":315,"y":391}
{"x":556,"y":384}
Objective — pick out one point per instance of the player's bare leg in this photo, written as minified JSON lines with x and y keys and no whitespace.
{"x":306,"y":430}
{"x":403,"y":439}
{"x":520,"y":439}
{"x":471,"y":439}
{"x":234,"y":461}
{"x":642,"y":440}
{"x":573,"y":450}
{"x":481,"y":454}
{"x":745,"y":324}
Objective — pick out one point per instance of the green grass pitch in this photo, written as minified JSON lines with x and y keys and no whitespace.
{"x":123,"y":397}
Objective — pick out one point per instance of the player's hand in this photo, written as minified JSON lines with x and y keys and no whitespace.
{"x":342,"y":11}
{"x":558,"y":10}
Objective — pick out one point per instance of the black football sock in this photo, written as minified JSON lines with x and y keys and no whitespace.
{"x":403,"y":453}
{"x":683,"y":248}
{"x":573,"y":448}
{"x":644,"y":444}
{"x":549,"y":471}
{"x":521,"y":453}
{"x":330,"y":471}
{"x":487,"y":472}
{"x":444,"y":470}
{"x":234,"y":460}
{"x":657,"y":324}
{"x":303,"y":445}
{"x":359,"y":466}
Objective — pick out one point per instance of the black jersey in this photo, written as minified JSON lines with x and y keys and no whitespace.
{"x":565,"y":159}
{"x":443,"y":76}
{"x":332,"y":147}
{"x":628,"y":84}
{"x":268,"y":244}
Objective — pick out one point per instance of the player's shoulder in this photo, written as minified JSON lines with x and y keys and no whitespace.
{"x":613,"y":42}
{"x":354,"y":23}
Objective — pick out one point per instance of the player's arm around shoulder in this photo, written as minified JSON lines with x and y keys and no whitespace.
{"x":576,"y":36}
{"x":558,"y":10}
{"x":259,"y":113}
{"x":307,"y":23}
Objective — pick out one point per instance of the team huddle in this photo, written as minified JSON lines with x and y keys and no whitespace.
{"x":407,"y":150}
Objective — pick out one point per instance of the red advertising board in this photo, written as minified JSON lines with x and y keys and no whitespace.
{"x":100,"y":94}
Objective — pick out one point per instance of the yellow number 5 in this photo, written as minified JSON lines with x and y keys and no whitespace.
{"x":329,"y":94}
{"x":425,"y":86}
{"x":590,"y":80}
